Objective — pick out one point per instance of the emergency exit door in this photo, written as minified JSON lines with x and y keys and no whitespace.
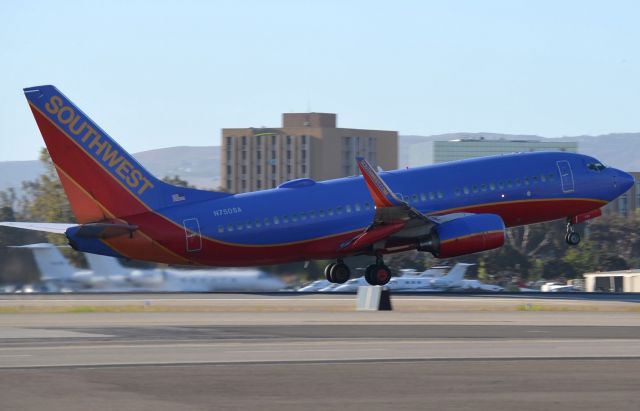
{"x":192,"y":235}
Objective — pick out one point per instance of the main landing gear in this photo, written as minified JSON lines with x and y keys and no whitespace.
{"x":375,"y":274}
{"x":338,"y":273}
{"x":572,"y":238}
{"x":378,"y":273}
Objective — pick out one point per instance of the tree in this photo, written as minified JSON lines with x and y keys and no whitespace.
{"x":177,"y":181}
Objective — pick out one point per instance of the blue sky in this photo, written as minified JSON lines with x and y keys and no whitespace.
{"x":164,"y":73}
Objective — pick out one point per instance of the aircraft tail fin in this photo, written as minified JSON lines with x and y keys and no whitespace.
{"x":50,"y":261}
{"x":380,"y":192}
{"x":100,"y":178}
{"x":105,"y":266}
{"x":456,"y":274}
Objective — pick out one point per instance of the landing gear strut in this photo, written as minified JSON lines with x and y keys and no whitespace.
{"x":378,"y":273}
{"x":338,"y":273}
{"x":572,"y":238}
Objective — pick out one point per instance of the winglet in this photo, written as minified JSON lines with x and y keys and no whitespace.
{"x":380,"y":192}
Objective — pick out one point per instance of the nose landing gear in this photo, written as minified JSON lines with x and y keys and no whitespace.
{"x":572,"y":238}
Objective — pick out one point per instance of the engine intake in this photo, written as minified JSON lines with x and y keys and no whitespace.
{"x":465,"y":235}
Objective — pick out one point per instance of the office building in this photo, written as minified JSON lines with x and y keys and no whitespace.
{"x":306,"y":145}
{"x":432,"y":152}
{"x":627,"y":204}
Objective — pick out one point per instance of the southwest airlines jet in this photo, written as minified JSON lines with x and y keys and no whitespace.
{"x":448,"y":209}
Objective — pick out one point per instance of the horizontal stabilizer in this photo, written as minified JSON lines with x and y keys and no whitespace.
{"x":58,"y":228}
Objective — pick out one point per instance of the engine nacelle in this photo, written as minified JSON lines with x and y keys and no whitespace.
{"x":465,"y":235}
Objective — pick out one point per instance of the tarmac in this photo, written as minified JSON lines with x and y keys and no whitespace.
{"x":315,"y":352}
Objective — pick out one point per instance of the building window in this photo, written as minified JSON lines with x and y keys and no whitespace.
{"x":273,"y":154}
{"x":259,"y":155}
{"x":258,"y":140}
{"x":288,"y":140}
{"x":244,"y":169}
{"x":244,"y":155}
{"x":259,"y":184}
{"x":273,"y":140}
{"x":288,"y":154}
{"x":228,"y":141}
{"x":288,"y":169}
{"x":258,"y":170}
{"x":228,"y":170}
{"x":273,"y":169}
{"x":273,"y":183}
{"x":304,"y":141}
{"x":244,"y":140}
{"x":244,"y":184}
{"x":304,"y":169}
{"x":228,"y":184}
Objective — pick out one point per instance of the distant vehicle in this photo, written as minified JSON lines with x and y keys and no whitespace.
{"x":108,"y":274}
{"x":552,"y":287}
{"x":449,"y":209}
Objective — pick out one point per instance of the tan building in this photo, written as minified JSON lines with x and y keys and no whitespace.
{"x":627,"y":204}
{"x":307,"y":145}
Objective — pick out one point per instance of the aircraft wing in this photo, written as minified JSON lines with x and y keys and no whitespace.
{"x":58,"y":228}
{"x":392,"y":213}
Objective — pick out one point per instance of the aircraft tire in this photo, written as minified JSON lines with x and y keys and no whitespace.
{"x":340,"y":273}
{"x":382,"y":274}
{"x":327,"y":272}
{"x":368,"y":274}
{"x":573,"y":238}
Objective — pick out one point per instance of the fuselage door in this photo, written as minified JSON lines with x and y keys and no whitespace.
{"x":192,"y":234}
{"x":566,"y":176}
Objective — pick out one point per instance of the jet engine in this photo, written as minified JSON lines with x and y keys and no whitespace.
{"x":465,"y":235}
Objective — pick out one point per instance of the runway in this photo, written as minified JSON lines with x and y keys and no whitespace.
{"x":319,"y":359}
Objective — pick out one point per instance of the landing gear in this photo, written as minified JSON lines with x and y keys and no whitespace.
{"x":338,"y":273}
{"x":572,"y":238}
{"x":378,"y":273}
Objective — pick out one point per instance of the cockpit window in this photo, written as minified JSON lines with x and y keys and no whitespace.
{"x":596,"y":166}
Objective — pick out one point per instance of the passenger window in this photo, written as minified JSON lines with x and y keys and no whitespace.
{"x":357,"y":207}
{"x":423,"y":197}
{"x":432,"y":196}
{"x":258,"y":223}
{"x":483,"y":187}
{"x":367,"y":206}
{"x":267,"y":221}
{"x":312,"y":214}
{"x":526,"y":181}
{"x":303,"y":216}
{"x":492,"y":186}
{"x":440,"y":194}
{"x":550,"y":175}
{"x":458,"y":192}
{"x":517,"y":182}
{"x":414,"y":198}
{"x":534,"y":180}
{"x":339,"y":210}
{"x":330,"y":211}
{"x":501,"y":185}
{"x":230,"y":227}
{"x":294,"y":217}
{"x":509,"y":183}
{"x":465,"y":189}
{"x":543,"y":178}
{"x":285,"y":219}
{"x":321,"y":213}
{"x":239,"y":227}
{"x":276,"y":220}
{"x":249,"y":225}
{"x":474,"y":189}
{"x":348,"y":208}
{"x":221,"y":229}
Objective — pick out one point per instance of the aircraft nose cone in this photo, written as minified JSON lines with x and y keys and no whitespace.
{"x":625,"y":181}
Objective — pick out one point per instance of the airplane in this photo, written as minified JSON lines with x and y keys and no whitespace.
{"x":476,"y":285}
{"x":448,"y":209}
{"x":450,"y":281}
{"x":108,"y":274}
